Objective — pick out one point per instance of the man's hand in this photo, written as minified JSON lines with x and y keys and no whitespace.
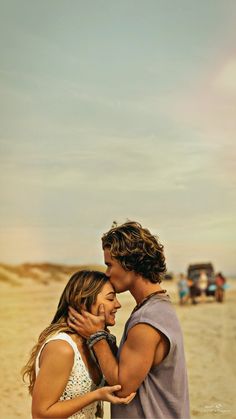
{"x":86,"y":324}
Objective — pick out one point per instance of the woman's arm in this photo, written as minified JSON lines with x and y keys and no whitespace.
{"x":57,"y":360}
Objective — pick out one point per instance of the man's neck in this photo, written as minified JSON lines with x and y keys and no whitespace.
{"x":142,"y":288}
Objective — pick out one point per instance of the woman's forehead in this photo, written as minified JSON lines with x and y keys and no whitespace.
{"x":107,"y":288}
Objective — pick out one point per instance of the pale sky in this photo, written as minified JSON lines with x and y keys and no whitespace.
{"x":116,"y":110}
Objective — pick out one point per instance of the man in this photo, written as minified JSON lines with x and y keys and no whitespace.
{"x":150,"y":358}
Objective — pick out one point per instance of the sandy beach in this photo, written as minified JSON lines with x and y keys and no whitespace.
{"x":209,"y":329}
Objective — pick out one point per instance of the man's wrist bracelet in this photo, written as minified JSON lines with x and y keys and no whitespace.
{"x":101,"y":334}
{"x":95,"y":337}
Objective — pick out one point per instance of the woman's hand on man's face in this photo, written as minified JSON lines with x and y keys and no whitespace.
{"x":86,"y":324}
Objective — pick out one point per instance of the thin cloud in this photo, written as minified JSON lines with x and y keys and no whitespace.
{"x":225,"y":80}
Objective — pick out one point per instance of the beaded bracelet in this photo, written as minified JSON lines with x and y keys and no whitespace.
{"x":111,"y":340}
{"x":101,"y":334}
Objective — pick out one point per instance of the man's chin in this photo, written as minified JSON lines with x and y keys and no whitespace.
{"x":117,"y":289}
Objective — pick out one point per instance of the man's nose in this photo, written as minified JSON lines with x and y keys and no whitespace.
{"x":107,"y":273}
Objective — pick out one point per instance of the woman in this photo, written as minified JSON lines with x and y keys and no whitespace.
{"x":64,"y":379}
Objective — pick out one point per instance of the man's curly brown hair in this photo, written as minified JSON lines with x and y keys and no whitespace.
{"x":136,"y":249}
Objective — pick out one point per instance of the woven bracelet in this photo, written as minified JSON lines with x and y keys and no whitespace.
{"x":101,"y":334}
{"x":111,"y":339}
{"x":95,"y":340}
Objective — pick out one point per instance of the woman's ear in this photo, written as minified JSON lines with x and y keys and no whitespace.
{"x":83,"y":306}
{"x":76,"y":307}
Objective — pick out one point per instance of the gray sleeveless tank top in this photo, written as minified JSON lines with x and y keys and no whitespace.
{"x":164,"y":392}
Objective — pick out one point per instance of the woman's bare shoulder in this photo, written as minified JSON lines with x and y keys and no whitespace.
{"x":57,"y":349}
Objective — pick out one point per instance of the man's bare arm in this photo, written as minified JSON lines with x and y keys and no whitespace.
{"x":136,"y":358}
{"x":137,"y":354}
{"x":107,"y":361}
{"x":87,"y":324}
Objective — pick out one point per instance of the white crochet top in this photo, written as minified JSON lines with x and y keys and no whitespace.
{"x":79,"y":382}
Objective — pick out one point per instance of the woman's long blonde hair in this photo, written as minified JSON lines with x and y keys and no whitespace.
{"x":81,"y":290}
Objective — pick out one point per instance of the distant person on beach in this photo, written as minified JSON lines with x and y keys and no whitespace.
{"x":202,"y":284}
{"x":220,"y":287}
{"x":150,"y":358}
{"x":64,"y":380}
{"x":193,"y":290}
{"x":183,"y":290}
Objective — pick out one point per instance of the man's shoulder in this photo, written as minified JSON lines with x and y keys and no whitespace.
{"x":158,"y":313}
{"x":152,"y":306}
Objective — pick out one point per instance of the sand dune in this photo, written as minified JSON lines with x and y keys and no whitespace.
{"x":29,"y":297}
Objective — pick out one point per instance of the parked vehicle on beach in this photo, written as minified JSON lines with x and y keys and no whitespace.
{"x":168,"y":276}
{"x":194,"y":272}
